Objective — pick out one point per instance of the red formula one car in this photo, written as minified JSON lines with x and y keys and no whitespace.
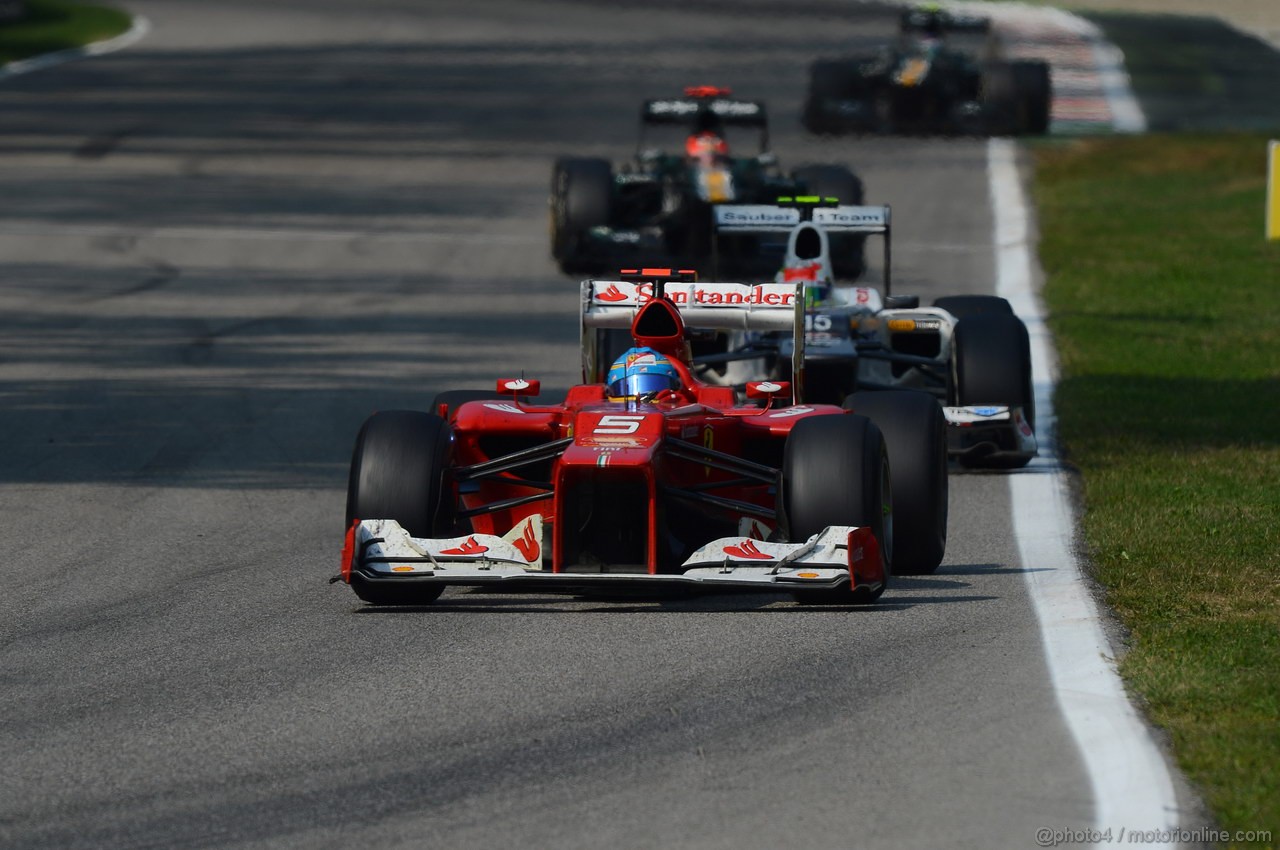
{"x":649,"y":478}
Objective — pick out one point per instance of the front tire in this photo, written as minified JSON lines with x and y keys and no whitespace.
{"x":991,"y":364}
{"x":397,"y":472}
{"x":835,"y":471}
{"x":828,"y":81}
{"x":915,"y":434}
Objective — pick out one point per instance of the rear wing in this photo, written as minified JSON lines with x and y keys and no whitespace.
{"x":784,"y":216}
{"x":937,"y":21}
{"x":685,"y":110}
{"x":613,"y":304}
{"x":702,"y":108}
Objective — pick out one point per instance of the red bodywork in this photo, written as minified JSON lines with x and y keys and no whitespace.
{"x":624,"y":486}
{"x":629,"y":454}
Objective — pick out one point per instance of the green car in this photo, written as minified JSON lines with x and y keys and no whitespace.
{"x":943,"y":74}
{"x":657,"y":208}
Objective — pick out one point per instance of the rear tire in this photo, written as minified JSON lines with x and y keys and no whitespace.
{"x":397,"y":472}
{"x":828,"y":80}
{"x":1018,"y":97}
{"x":991,"y":364}
{"x":835,"y":471}
{"x":962,"y":306}
{"x":999,"y":94}
{"x":581,"y":198}
{"x":1035,"y":96}
{"x":915,"y":434}
{"x":836,"y":181}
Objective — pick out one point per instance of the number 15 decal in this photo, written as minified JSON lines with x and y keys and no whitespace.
{"x":612,"y":424}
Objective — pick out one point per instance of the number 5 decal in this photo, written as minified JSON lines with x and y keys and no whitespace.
{"x":612,"y":424}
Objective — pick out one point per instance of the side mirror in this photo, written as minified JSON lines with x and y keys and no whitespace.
{"x":901,"y":302}
{"x":768,"y":389}
{"x":518,"y":387}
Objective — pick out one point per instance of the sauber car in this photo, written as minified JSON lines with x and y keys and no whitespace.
{"x":969,"y":351}
{"x":927,"y":81}
{"x":683,"y":488}
{"x":658,"y":204}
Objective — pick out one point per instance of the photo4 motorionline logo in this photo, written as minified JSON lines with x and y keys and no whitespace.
{"x":1046,"y":837}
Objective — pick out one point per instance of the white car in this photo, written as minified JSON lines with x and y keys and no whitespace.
{"x":970,"y":351}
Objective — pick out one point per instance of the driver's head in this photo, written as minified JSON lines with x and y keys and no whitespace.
{"x":706,"y":146}
{"x":641,"y":373}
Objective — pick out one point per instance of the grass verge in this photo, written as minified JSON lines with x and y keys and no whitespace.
{"x":1165,"y":302}
{"x":51,"y":25}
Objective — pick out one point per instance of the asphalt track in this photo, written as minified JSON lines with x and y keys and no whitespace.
{"x":224,"y":247}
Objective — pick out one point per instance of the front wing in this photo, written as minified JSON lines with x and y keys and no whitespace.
{"x":837,"y":557}
{"x":989,"y":433}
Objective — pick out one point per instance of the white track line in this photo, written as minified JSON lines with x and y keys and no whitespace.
{"x":1132,"y":786}
{"x":137,"y":31}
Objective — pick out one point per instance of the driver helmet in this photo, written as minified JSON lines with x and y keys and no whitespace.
{"x":816,"y":294}
{"x":705,"y":146}
{"x":816,"y":286}
{"x":641,"y":372}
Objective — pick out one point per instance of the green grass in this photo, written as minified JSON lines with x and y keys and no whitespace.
{"x":1165,"y":302}
{"x":56,"y":25}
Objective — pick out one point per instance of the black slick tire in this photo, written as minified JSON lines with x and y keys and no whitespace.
{"x":991,"y":364}
{"x":835,"y":471}
{"x":828,"y":80}
{"x":999,"y":95}
{"x":1035,"y":96}
{"x":581,"y":197}
{"x":962,"y":306}
{"x":398,"y":472}
{"x":915,"y":434}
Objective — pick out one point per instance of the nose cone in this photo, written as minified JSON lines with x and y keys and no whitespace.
{"x":808,"y":255}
